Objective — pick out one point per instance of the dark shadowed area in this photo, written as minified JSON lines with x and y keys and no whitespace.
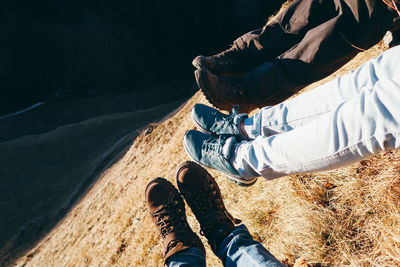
{"x":101,"y":70}
{"x":72,"y":49}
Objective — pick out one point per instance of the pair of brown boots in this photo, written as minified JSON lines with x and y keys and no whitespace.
{"x":203,"y":196}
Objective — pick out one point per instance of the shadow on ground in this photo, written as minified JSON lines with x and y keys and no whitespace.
{"x":51,"y":155}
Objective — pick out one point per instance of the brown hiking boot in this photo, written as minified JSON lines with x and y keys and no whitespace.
{"x":203,"y":196}
{"x":167,"y":210}
{"x":227,"y":63}
{"x":224,"y":92}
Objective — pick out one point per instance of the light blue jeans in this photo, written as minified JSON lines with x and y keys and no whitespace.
{"x":340,"y":122}
{"x":238,"y":249}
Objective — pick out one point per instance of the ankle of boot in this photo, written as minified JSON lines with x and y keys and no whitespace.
{"x":177,"y":242}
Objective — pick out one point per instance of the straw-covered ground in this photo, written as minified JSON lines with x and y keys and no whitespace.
{"x":349,"y":216}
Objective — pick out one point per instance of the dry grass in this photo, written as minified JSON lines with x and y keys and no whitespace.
{"x":349,"y":216}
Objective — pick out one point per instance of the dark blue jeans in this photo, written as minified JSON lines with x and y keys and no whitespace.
{"x":237,"y":249}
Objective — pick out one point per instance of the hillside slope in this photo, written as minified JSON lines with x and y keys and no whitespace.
{"x":349,"y":216}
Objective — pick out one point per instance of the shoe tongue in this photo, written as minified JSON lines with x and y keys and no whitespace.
{"x":227,"y":148}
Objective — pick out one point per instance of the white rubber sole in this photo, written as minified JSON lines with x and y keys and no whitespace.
{"x":231,"y":178}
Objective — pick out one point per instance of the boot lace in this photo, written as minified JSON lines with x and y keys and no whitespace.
{"x":170,"y":217}
{"x":210,"y":210}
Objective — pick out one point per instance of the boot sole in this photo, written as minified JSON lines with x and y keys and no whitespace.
{"x":211,"y":97}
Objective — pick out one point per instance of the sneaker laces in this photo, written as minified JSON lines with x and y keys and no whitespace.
{"x":213,"y":145}
{"x":227,"y":121}
{"x":231,"y":117}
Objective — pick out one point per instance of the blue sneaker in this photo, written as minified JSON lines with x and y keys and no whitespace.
{"x":214,"y":153}
{"x":211,"y":121}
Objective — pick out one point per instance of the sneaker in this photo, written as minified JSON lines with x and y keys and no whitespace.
{"x":203,"y":196}
{"x":167,"y":210}
{"x":227,"y":63}
{"x":223,"y":92}
{"x":211,"y":121}
{"x":214,"y":153}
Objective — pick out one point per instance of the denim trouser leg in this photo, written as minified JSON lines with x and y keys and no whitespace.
{"x":310,"y":105}
{"x":237,"y":249}
{"x":240,"y":249}
{"x":348,"y":119}
{"x":187,"y":258}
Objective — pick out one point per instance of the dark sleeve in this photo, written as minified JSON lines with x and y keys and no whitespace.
{"x":283,"y":32}
{"x":327,"y":43}
{"x":357,"y":26}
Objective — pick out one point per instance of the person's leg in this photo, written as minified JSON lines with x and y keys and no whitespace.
{"x":182,"y":247}
{"x":204,"y":198}
{"x":355,"y":129}
{"x":309,"y":106}
{"x":280,"y":34}
{"x":187,"y":258}
{"x":325,"y":46}
{"x":233,"y":245}
{"x":240,"y":249}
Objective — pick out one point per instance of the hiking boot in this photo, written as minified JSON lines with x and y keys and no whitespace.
{"x":214,"y":153}
{"x":167,"y":210}
{"x":203,"y":196}
{"x":223,"y":92}
{"x":211,"y":121}
{"x":227,"y":63}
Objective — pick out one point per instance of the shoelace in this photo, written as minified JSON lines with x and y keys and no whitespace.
{"x":223,"y":120}
{"x":205,"y":201}
{"x":213,"y":145}
{"x":169,"y":217}
{"x":202,"y":196}
{"x":230,"y":117}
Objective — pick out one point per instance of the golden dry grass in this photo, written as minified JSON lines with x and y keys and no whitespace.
{"x":349,"y":216}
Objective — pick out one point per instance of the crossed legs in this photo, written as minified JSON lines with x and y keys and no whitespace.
{"x":338,"y":123}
